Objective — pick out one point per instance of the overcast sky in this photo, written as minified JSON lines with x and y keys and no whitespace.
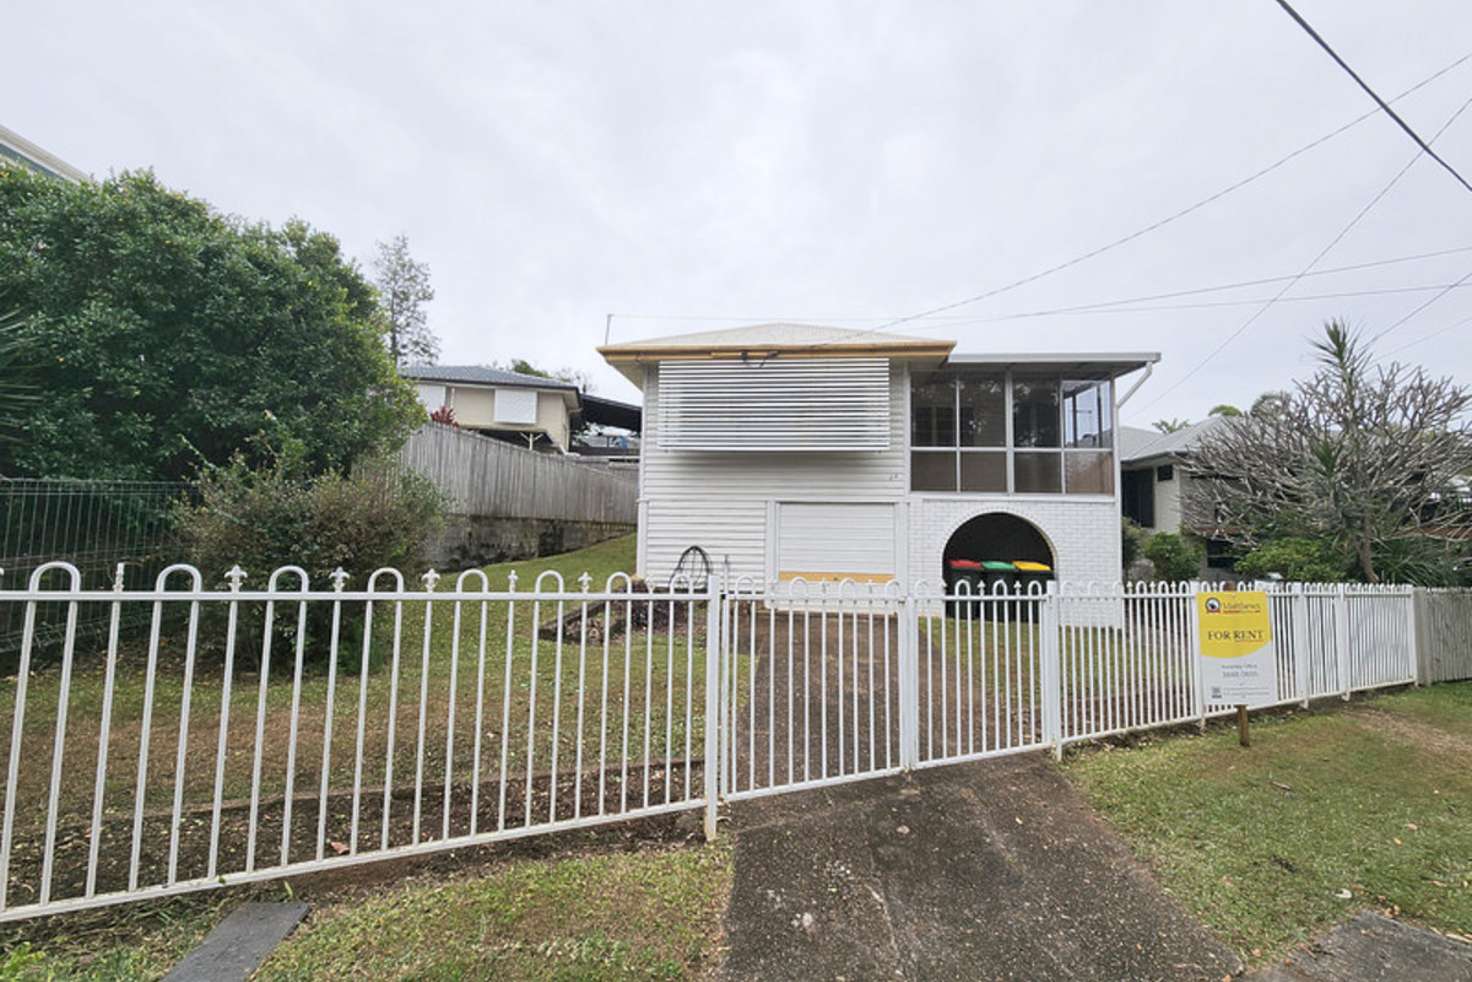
{"x":834,"y":162}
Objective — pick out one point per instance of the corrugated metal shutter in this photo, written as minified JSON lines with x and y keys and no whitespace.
{"x":516,"y":405}
{"x":799,"y":404}
{"x":819,"y":541}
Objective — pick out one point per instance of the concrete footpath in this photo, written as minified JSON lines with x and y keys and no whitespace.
{"x":992,"y":870}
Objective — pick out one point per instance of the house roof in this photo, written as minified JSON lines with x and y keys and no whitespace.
{"x":1136,"y":444}
{"x":779,"y":336}
{"x":15,"y":147}
{"x":1081,"y":364}
{"x":612,"y":412}
{"x":481,"y":375}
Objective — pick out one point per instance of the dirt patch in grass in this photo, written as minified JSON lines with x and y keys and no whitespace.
{"x":1414,"y":732}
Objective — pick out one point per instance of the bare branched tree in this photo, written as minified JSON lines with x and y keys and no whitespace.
{"x":1367,"y":458}
{"x":403,"y":290}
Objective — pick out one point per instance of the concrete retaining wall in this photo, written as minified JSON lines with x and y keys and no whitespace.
{"x":476,"y":540}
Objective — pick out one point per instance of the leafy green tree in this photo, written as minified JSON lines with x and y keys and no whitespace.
{"x":18,"y":392}
{"x":1224,"y":409}
{"x":164,"y":334}
{"x":1170,"y":425}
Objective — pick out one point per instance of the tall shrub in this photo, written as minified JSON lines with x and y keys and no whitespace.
{"x":1176,"y":557}
{"x":273,"y":516}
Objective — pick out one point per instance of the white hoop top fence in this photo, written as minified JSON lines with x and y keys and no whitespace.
{"x":246,"y":733}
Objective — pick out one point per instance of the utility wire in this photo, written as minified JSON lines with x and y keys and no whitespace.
{"x":1242,"y":328}
{"x":1153,"y":226}
{"x":1431,"y":300}
{"x":1434,"y":334}
{"x":958,"y":320}
{"x":1384,"y":106}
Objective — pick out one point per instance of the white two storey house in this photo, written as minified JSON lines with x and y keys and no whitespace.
{"x":787,"y":451}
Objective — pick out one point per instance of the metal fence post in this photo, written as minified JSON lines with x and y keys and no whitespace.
{"x":714,"y":643}
{"x":1300,"y":633}
{"x":1198,"y":684}
{"x":1413,"y":597}
{"x":1341,"y":640}
{"x":909,"y":694}
{"x":1052,"y":662}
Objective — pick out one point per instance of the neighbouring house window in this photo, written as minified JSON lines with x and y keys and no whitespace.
{"x":1061,"y":438}
{"x":1220,"y":554}
{"x":1165,"y":472}
{"x":1137,"y":496}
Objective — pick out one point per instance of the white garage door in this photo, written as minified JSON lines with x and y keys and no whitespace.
{"x":831,"y":541}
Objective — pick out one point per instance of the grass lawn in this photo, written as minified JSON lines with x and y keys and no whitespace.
{"x":646,"y":914}
{"x":654,"y":912}
{"x":1328,"y":812}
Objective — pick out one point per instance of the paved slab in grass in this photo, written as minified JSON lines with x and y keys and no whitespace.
{"x":1374,"y":948}
{"x":993,"y":870}
{"x":239,"y":943}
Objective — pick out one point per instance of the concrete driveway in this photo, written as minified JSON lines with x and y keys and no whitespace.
{"x":991,"y":870}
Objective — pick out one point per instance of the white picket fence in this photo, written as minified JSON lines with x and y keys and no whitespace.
{"x":254,"y":733}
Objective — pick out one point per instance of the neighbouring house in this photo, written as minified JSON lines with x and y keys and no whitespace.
{"x":788,"y":451}
{"x":531,"y":410}
{"x":16,"y":149}
{"x":1153,"y":479}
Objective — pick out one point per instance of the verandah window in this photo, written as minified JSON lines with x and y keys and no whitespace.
{"x":1060,"y":435}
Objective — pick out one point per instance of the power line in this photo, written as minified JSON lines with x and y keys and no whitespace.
{"x":1153,"y":226}
{"x":1118,"y":306}
{"x":1113,"y":308}
{"x":959,"y":320}
{"x":1384,"y":106}
{"x":1445,"y":290}
{"x":1312,"y":263}
{"x":1434,"y":334}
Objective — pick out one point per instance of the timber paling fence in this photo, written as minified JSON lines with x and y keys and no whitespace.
{"x":295,"y":727}
{"x":485,"y":476}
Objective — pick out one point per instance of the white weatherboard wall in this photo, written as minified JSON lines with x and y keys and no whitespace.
{"x":719,"y":499}
{"x":1168,"y":501}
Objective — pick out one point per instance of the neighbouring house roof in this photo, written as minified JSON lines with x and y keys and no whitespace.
{"x":15,"y":147}
{"x":611,"y":412}
{"x":1137,"y":445}
{"x":481,"y":375}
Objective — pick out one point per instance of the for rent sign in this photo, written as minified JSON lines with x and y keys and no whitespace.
{"x":1238,"y":657}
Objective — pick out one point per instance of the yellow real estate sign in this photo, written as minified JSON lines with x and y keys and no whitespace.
{"x":1238,"y":657}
